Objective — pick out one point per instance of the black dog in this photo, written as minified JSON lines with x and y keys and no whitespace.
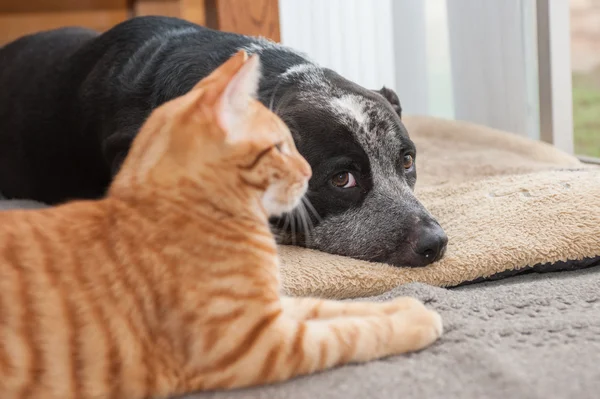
{"x":71,"y":102}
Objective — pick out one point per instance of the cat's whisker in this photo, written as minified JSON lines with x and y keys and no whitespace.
{"x":282,"y":234}
{"x":286,"y":222}
{"x":309,"y":220}
{"x":305,"y":223}
{"x":300,"y":211}
{"x":282,"y":112}
{"x":300,"y":224}
{"x":293,"y":227}
{"x":298,"y":217}
{"x":292,"y":125}
{"x":282,"y":104}
{"x":311,"y":208}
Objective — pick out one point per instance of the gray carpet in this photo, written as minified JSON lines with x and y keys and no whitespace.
{"x":6,"y":204}
{"x":533,"y":336}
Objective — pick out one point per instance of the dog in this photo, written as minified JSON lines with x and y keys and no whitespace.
{"x":72,"y":100}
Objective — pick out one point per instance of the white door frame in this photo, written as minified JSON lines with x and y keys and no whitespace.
{"x":554,"y":73}
{"x":510,"y":59}
{"x":511,"y":66}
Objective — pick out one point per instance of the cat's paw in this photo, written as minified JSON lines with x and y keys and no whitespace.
{"x":434,"y":323}
{"x":402,"y":304}
{"x":416,"y":328}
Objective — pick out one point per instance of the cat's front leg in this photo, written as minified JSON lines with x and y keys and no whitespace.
{"x":288,"y":347}
{"x":314,"y":308}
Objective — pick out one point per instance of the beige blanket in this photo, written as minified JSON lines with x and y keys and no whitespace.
{"x":506,"y":203}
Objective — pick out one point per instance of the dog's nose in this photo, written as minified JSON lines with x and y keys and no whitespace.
{"x":431,"y":244}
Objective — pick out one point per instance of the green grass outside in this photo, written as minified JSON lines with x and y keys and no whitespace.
{"x":586,"y":113}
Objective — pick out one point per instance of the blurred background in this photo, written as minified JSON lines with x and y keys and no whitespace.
{"x":531,"y":67}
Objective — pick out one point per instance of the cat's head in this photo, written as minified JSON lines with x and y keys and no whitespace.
{"x":220,"y":139}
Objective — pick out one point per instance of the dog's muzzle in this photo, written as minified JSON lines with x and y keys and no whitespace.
{"x":431,"y":242}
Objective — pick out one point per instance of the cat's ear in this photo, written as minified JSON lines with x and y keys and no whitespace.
{"x":219,"y":78}
{"x":236,"y":98}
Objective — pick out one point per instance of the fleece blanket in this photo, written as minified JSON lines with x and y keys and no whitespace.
{"x":532,"y":336}
{"x":508,"y":205}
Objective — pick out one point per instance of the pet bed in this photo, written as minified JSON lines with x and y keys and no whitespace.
{"x":508,"y":205}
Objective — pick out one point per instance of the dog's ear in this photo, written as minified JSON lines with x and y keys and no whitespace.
{"x":393,"y":99}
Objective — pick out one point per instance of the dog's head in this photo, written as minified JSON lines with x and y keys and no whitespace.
{"x":364,"y":172}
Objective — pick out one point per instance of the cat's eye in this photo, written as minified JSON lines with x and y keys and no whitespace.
{"x":344,"y":180}
{"x":408,"y":161}
{"x":280,"y":146}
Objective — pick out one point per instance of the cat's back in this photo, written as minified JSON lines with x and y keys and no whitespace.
{"x":27,"y":236}
{"x":52,"y":321}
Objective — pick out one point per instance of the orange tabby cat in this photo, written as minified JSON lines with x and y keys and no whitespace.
{"x":170,"y":284}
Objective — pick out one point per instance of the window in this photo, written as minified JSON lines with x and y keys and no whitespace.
{"x":506,"y":64}
{"x":585,"y":63}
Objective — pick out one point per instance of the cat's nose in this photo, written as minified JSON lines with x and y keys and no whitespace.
{"x":306,"y":170}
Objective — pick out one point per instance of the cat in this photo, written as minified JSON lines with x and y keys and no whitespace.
{"x":170,"y":284}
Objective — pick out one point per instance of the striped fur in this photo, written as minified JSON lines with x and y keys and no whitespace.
{"x":170,"y":284}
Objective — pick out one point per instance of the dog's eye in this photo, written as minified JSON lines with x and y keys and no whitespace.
{"x":344,"y":180}
{"x":408,"y":162}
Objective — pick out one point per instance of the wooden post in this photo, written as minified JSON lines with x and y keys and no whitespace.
{"x":18,"y":18}
{"x":191,"y":10}
{"x":248,"y":17}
